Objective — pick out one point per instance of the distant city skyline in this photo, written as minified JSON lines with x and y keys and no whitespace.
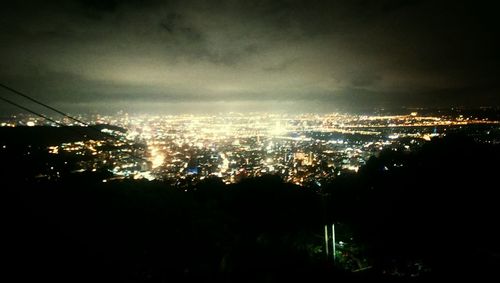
{"x":281,"y":56}
{"x":301,"y":149}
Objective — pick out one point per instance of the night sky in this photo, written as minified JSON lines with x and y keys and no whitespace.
{"x":201,"y":56}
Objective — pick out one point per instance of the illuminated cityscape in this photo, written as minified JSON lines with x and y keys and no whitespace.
{"x":249,"y":141}
{"x":306,"y":149}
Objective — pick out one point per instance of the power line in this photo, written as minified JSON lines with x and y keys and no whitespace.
{"x":41,"y":103}
{"x":31,"y":111}
{"x":17,"y":92}
{"x":62,"y":113}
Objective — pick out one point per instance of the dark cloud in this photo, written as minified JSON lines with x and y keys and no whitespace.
{"x":331,"y":53}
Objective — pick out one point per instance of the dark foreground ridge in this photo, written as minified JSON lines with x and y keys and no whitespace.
{"x":44,"y":136}
{"x":430,"y":214}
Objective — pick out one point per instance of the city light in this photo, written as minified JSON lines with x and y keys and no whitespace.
{"x":157,"y":157}
{"x":301,"y":149}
